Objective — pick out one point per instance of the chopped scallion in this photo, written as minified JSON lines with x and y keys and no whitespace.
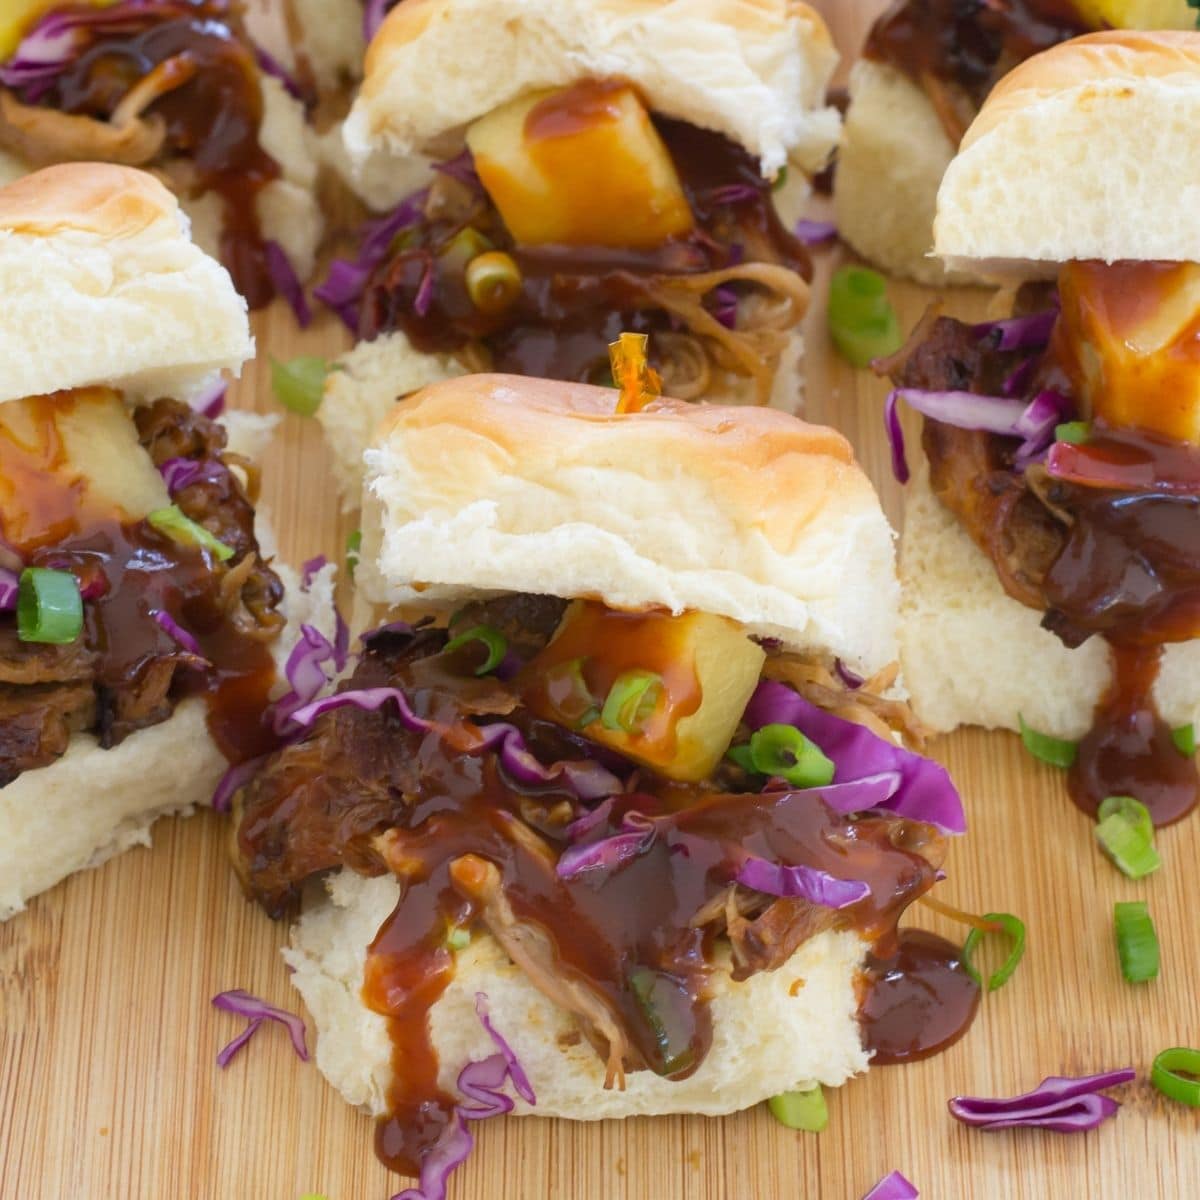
{"x":742,"y":757}
{"x":1052,"y":750}
{"x":862,"y":322}
{"x":458,"y":938}
{"x":1137,"y":943}
{"x":353,"y":548}
{"x":49,"y":607}
{"x":1004,"y":923}
{"x":801,"y":1110}
{"x":631,"y":700}
{"x":783,"y":751}
{"x":1075,"y":432}
{"x":495,"y":642}
{"x":781,"y":176}
{"x":1185,"y":739}
{"x":1176,"y":1073}
{"x":299,"y":384}
{"x":179,"y":528}
{"x":1126,"y":834}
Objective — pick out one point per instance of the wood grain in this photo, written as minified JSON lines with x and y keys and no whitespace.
{"x":108,"y":1086}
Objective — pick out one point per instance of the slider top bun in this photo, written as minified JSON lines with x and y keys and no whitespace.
{"x":103,"y":285}
{"x":754,"y":70}
{"x":1087,"y":151}
{"x":496,"y":483}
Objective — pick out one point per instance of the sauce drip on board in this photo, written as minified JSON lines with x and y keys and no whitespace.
{"x":213,"y":118}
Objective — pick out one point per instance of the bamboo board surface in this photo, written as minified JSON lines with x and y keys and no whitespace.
{"x":108,"y":1086}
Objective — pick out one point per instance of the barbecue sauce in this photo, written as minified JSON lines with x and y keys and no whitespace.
{"x":213,"y":118}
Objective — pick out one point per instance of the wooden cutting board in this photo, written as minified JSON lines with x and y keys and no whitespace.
{"x":108,"y":1086}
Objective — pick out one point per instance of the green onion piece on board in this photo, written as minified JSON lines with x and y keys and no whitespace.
{"x":862,"y":322}
{"x":49,"y":607}
{"x":631,"y":700}
{"x":494,"y":641}
{"x":179,"y":528}
{"x":801,"y":1110}
{"x":660,"y":1001}
{"x":1075,"y":432}
{"x":1055,"y":751}
{"x":783,"y":751}
{"x":1005,"y":923}
{"x":742,"y":756}
{"x":458,"y":938}
{"x":300,"y":383}
{"x":1126,"y":834}
{"x":781,"y":177}
{"x":1185,"y":739}
{"x":1176,"y":1073}
{"x":1137,"y":943}
{"x":353,"y":550}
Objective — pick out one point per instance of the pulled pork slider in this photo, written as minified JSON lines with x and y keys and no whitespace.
{"x":178,"y":88}
{"x":139,"y":621}
{"x":1051,"y":556}
{"x":584,"y":168}
{"x":625,"y":793}
{"x":927,"y":67}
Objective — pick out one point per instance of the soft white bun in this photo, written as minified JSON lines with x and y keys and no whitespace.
{"x":972,"y":655}
{"x":1086,"y":151}
{"x":766,"y":1039}
{"x":102,"y":285}
{"x":499,"y":483}
{"x":891,"y":158}
{"x":92,"y":804}
{"x":754,"y":70}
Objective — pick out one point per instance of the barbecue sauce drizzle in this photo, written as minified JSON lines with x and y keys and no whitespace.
{"x":213,"y":118}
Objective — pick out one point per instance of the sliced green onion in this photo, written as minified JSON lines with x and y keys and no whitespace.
{"x":660,"y":1002}
{"x":783,"y":751}
{"x":300,"y":383}
{"x":862,"y":321}
{"x":1055,"y":751}
{"x":49,"y":607}
{"x":1074,"y":432}
{"x":1185,"y":739}
{"x":493,"y":282}
{"x":1137,"y":943}
{"x":781,"y":177}
{"x":493,"y":639}
{"x":568,"y":691}
{"x":179,"y":528}
{"x":1126,"y":834}
{"x":742,"y":756}
{"x":631,"y":700}
{"x":353,"y":549}
{"x":1176,"y":1073}
{"x":1007,"y":924}
{"x":458,"y":938}
{"x":801,"y":1110}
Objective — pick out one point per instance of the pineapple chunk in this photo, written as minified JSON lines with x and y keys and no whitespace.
{"x":1130,"y":337}
{"x":68,"y":461}
{"x":18,"y":16}
{"x":1137,"y":14}
{"x":581,"y":166}
{"x":708,"y":669}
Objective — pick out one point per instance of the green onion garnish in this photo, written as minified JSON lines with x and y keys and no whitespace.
{"x":1055,"y":751}
{"x":299,"y":384}
{"x":1074,"y":432}
{"x":458,"y":938}
{"x":1137,"y":943}
{"x":801,"y":1110}
{"x":1126,"y":834}
{"x":781,"y":178}
{"x":493,"y":639}
{"x":179,"y":528}
{"x":783,"y":751}
{"x":353,"y":548}
{"x":1185,"y":739}
{"x":742,"y":756}
{"x":659,"y":1000}
{"x":1176,"y":1073}
{"x":631,"y":700}
{"x":1005,"y":923}
{"x":49,"y":607}
{"x":862,"y":322}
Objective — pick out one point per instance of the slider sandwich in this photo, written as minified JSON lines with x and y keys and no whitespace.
{"x":175,"y":87}
{"x":588,"y":167}
{"x":927,"y":67}
{"x":623,"y":820}
{"x":140,"y":623}
{"x":1051,"y":556}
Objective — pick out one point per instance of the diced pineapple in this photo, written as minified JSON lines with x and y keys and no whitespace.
{"x":1137,"y":14}
{"x":581,"y":166}
{"x":17,"y":18}
{"x":1130,"y":335}
{"x":707,"y":665}
{"x":70,"y":460}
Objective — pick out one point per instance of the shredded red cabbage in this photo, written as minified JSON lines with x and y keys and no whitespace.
{"x":9,"y":583}
{"x":852,"y":679}
{"x":607,"y":853}
{"x":309,"y":571}
{"x":234,"y":779}
{"x":1058,"y":1103}
{"x":461,"y":168}
{"x":257,"y":1011}
{"x":210,"y":402}
{"x":1019,"y":333}
{"x":732,"y":193}
{"x":923,"y":792}
{"x":373,"y":15}
{"x":725,"y":306}
{"x":178,"y":633}
{"x":305,"y":675}
{"x":180,"y":473}
{"x":269,"y":65}
{"x":813,"y":233}
{"x":895,"y":435}
{"x":481,"y":1083}
{"x":893,"y":1186}
{"x":808,"y":883}
{"x":1019,"y":378}
{"x":424,"y":297}
{"x":287,"y":283}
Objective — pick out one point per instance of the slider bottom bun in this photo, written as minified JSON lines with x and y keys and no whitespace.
{"x":766,"y":1039}
{"x":972,"y":655}
{"x":891,"y":160}
{"x":368,"y":380}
